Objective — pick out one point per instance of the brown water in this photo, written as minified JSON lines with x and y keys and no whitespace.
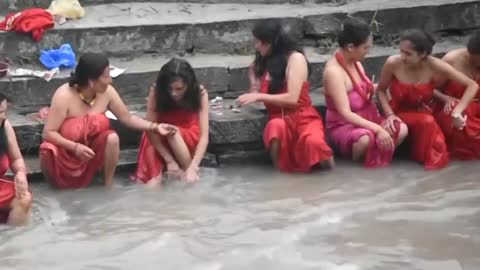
{"x":349,"y":219}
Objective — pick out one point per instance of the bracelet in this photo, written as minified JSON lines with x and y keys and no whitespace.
{"x":152,"y":126}
{"x":389,"y":114}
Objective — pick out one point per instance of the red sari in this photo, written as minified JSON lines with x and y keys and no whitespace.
{"x":300,"y":131}
{"x":7,"y":189}
{"x":150,"y":163}
{"x":463,"y":143}
{"x":64,"y":168}
{"x":409,"y":103}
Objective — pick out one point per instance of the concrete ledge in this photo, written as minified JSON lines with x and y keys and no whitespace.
{"x":17,"y":5}
{"x":181,"y":28}
{"x":223,"y":75}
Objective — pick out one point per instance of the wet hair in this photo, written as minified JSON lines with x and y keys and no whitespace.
{"x":354,"y":31}
{"x":271,"y":31}
{"x":3,"y":136}
{"x":173,"y":70}
{"x":422,"y":41}
{"x":90,"y":66}
{"x":473,"y":45}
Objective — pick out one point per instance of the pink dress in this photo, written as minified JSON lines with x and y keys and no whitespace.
{"x":344,"y":134}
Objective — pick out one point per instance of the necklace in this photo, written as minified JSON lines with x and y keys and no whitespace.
{"x":84,"y":99}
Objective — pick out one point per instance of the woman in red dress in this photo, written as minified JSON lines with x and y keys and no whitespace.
{"x":294,"y":134}
{"x":78,"y":140}
{"x":15,"y":198}
{"x":177,"y":100}
{"x":463,"y":141}
{"x":410,"y":77}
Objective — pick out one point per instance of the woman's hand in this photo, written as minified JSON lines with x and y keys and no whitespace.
{"x":165,"y":129}
{"x":191,"y":174}
{"x":83,"y":152}
{"x":386,"y":141}
{"x":389,"y":123}
{"x":21,"y":185}
{"x":247,"y":99}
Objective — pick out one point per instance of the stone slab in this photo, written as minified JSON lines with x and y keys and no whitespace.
{"x":222,"y":75}
{"x":226,"y":127}
{"x":181,"y":28}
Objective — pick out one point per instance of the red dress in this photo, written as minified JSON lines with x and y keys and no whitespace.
{"x":150,"y":163}
{"x":65,"y":169}
{"x":300,"y":131}
{"x":465,"y":143}
{"x":409,"y":102}
{"x":7,"y":189}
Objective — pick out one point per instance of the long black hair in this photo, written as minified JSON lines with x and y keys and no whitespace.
{"x":3,"y":136}
{"x":354,"y":31}
{"x":271,"y":31}
{"x":422,"y":41}
{"x":177,"y":69}
{"x":90,"y":67}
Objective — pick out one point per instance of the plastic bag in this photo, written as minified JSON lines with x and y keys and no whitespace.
{"x":64,"y":56}
{"x":70,"y":9}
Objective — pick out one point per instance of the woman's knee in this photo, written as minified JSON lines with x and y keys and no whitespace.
{"x":113,"y":140}
{"x":362,"y":143}
{"x":402,"y":134}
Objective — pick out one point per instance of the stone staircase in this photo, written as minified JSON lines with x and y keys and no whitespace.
{"x":215,"y":37}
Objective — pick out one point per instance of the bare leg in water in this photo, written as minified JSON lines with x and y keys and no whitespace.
{"x":112,"y":152}
{"x":275,"y":151}
{"x":21,"y":209}
{"x":360,"y":147}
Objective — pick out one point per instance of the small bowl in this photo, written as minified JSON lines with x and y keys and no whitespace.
{"x":3,"y":69}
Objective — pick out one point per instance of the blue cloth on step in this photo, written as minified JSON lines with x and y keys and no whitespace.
{"x":64,"y":56}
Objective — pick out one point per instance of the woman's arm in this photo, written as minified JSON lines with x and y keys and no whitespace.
{"x":120,"y":110}
{"x":15,"y":156}
{"x":56,"y":116}
{"x":154,"y":138}
{"x":448,"y":71}
{"x":385,"y":79}
{"x":204,"y":129}
{"x":335,"y":88}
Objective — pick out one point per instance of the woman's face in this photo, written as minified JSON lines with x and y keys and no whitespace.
{"x":178,"y":88}
{"x":361,"y":51}
{"x":101,"y":84}
{"x":409,"y":55}
{"x":262,"y":48}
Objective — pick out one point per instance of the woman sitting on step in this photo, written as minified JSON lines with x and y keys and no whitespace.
{"x":178,"y":100}
{"x":294,"y":134}
{"x":464,"y":141}
{"x":410,"y":77}
{"x":353,"y":122}
{"x":78,"y":140}
{"x":15,"y":198}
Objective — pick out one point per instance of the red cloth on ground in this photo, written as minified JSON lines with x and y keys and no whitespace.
{"x":150,"y":163}
{"x":300,"y":131}
{"x":65,"y":169}
{"x":33,"y":20}
{"x":463,"y":144}
{"x":410,"y":104}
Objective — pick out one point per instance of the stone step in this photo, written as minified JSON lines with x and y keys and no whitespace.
{"x":17,"y":5}
{"x":228,"y":129}
{"x":120,"y":29}
{"x":223,"y":75}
